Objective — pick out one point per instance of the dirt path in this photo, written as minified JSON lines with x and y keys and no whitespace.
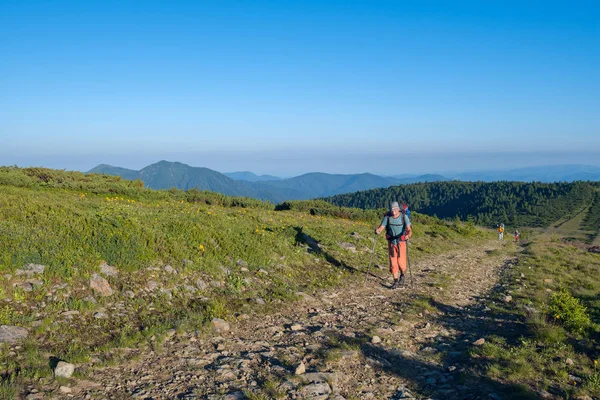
{"x":356,"y":342}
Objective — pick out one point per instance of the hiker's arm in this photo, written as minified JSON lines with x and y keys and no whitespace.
{"x":378,"y":230}
{"x":408,"y":231}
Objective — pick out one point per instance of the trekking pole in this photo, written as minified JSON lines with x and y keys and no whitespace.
{"x":412,"y":286}
{"x":370,"y":261}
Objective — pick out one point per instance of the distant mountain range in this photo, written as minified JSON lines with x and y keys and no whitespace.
{"x":165,"y":175}
{"x":250,"y":176}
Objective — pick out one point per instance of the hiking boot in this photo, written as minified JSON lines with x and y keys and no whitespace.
{"x":401,"y":280}
{"x":396,"y":284}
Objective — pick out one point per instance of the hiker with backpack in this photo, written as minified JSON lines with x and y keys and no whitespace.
{"x":398,"y":232}
{"x":517,"y":234}
{"x":500,"y":231}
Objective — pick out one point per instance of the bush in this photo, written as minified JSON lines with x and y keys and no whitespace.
{"x":569,"y":311}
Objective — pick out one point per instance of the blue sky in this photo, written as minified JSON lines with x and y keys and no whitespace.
{"x":286,"y":87}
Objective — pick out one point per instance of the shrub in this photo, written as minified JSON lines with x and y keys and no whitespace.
{"x":569,"y":311}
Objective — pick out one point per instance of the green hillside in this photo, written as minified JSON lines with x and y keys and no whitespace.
{"x":181,"y":258}
{"x":514,"y":203}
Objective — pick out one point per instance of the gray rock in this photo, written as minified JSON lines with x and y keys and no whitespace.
{"x":130,"y":294}
{"x":200,"y":284}
{"x":544,"y":394}
{"x":90,"y":299}
{"x":152,"y":286}
{"x":100,"y":315}
{"x":170,"y":269}
{"x":235,"y":396}
{"x":31,"y":269}
{"x":242,"y":263}
{"x":36,"y":282}
{"x":12,"y":334}
{"x":375,"y":339}
{"x":479,"y":342}
{"x":258,"y":300}
{"x":108,"y":270}
{"x":316,"y":391}
{"x":296,"y":327}
{"x":508,"y":299}
{"x":220,"y":325}
{"x":263,"y":271}
{"x":64,"y":369}
{"x":568,"y":361}
{"x":347,"y":246}
{"x":100,"y":285}
{"x":25,"y":286}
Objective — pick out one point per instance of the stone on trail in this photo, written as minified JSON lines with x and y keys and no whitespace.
{"x":170,"y":269}
{"x":300,"y":369}
{"x":12,"y":334}
{"x":376,"y":339}
{"x":296,"y":327}
{"x":100,"y":285}
{"x":347,"y":246}
{"x":479,"y":342}
{"x":220,"y":325}
{"x":64,"y":369}
{"x":320,"y":391}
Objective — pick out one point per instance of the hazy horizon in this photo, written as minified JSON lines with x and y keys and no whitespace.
{"x":415,"y":164}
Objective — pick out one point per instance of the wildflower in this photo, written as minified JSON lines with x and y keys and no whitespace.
{"x":556,"y":316}
{"x":201,"y":247}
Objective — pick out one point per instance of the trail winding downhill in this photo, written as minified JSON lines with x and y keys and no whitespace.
{"x":355,"y":342}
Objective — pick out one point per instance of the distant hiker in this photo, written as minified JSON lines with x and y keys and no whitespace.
{"x":517,"y":234}
{"x":398,"y":231}
{"x":406,"y":210}
{"x":500,"y":231}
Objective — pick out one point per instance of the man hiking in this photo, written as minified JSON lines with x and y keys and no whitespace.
{"x":398,"y":231}
{"x":517,"y":234}
{"x":500,"y":231}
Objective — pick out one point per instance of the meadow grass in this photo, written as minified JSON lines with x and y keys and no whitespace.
{"x":558,"y":303}
{"x":225,"y":252}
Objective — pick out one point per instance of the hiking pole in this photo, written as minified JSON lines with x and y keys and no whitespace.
{"x":412,"y":286}
{"x":370,"y":261}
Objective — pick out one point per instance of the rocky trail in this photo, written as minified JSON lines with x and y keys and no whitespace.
{"x":355,"y":342}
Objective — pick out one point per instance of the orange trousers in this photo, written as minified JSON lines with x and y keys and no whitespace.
{"x":397,"y":254}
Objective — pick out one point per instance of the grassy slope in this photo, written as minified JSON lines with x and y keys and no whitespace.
{"x":71,"y":223}
{"x":556,"y":301}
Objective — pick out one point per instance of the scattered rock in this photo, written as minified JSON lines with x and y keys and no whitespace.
{"x":25,"y":286}
{"x":242,"y":263}
{"x":300,"y":369}
{"x":235,"y":396}
{"x":315,"y":391}
{"x":375,"y":339}
{"x":544,"y":394}
{"x":296,"y":327}
{"x":152,"y":286}
{"x":220,"y":325}
{"x":130,"y":294}
{"x":583,"y":397}
{"x":244,"y":269}
{"x":90,"y":299}
{"x":263,"y":271}
{"x":347,"y":246}
{"x":479,"y":342}
{"x":170,"y":269}
{"x":100,"y":285}
{"x":108,"y":270}
{"x":31,"y":269}
{"x":64,"y":369}
{"x":12,"y":334}
{"x":568,"y":361}
{"x":100,"y":315}
{"x":508,"y":299}
{"x":258,"y":300}
{"x":547,"y":280}
{"x":200,"y":284}
{"x":65,"y":389}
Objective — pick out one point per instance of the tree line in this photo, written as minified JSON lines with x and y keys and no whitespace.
{"x":532,"y":204}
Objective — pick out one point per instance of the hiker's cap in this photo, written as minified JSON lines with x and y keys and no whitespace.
{"x":394,"y":205}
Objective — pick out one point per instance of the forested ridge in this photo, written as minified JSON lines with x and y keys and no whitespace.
{"x":532,"y":204}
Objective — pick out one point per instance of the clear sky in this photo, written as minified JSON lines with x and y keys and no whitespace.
{"x":286,"y":87}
